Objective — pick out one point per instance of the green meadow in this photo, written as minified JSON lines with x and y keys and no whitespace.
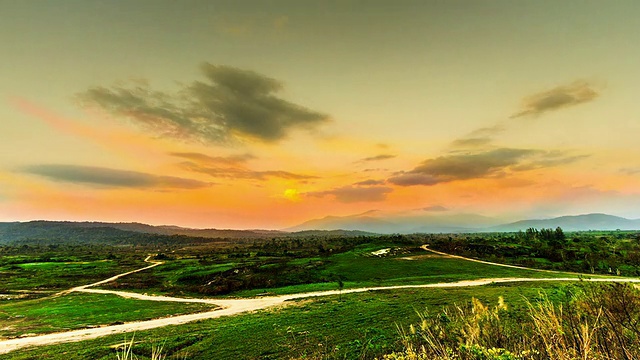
{"x":259,"y":274}
{"x":79,"y":310}
{"x":365,"y":325}
{"x":362,"y":325}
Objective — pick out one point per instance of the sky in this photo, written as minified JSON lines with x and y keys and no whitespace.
{"x":264,"y":114}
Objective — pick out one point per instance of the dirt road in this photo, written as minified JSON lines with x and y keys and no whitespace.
{"x":228,"y":307}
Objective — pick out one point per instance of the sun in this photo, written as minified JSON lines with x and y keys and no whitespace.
{"x":292,"y":195}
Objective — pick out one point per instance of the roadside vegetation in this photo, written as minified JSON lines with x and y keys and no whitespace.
{"x":589,"y":252}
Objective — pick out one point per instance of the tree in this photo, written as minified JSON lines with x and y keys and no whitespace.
{"x":531,"y":234}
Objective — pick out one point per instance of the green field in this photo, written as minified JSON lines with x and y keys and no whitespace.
{"x":360,"y":324}
{"x":403,"y":265}
{"x":26,"y":274}
{"x":78,"y":310}
{"x":347,"y":326}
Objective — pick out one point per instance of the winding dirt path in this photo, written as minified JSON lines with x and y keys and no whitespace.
{"x":426,"y":248}
{"x":229,"y":307}
{"x":83,"y":287}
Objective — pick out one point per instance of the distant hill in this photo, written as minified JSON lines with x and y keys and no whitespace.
{"x":365,"y":224}
{"x":330,"y":233}
{"x":50,"y":233}
{"x":574,"y":223}
{"x":402,"y":223}
{"x":68,"y":232}
{"x":379,"y":222}
{"x":176,"y":230}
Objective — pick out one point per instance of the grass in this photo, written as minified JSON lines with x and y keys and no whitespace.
{"x":596,"y":322}
{"x":356,"y":268}
{"x":361,"y":324}
{"x":77,"y":311}
{"x":55,"y":276}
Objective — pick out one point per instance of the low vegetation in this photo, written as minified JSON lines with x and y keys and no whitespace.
{"x":289,"y":266}
{"x":590,"y":252}
{"x":593,"y":322}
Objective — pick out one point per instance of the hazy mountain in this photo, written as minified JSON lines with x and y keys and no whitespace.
{"x":363,"y":224}
{"x":401,"y":222}
{"x":58,"y":232}
{"x":414,"y":222}
{"x":113,"y":233}
{"x":575,"y":223}
{"x":176,"y":230}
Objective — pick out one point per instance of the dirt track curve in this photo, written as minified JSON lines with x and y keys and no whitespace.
{"x":229,"y":307}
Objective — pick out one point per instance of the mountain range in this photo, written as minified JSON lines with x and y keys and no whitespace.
{"x":368,"y":223}
{"x":403,"y":223}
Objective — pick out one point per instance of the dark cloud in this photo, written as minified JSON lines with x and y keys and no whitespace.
{"x":478,"y":165}
{"x":470,"y":166}
{"x":411,"y":178}
{"x":100,"y":176}
{"x":435,"y":208}
{"x":378,"y":157}
{"x":233,"y":167}
{"x":231,"y":103}
{"x":351,"y":194}
{"x":370,"y":182}
{"x":557,"y":98}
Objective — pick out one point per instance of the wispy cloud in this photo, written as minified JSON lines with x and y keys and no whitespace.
{"x":378,"y":157}
{"x":435,"y":208}
{"x":233,"y":160}
{"x":478,"y":138}
{"x":578,"y":92}
{"x":630,"y":170}
{"x":230,"y":103}
{"x":107,"y":177}
{"x":466,"y":143}
{"x":352,"y":194}
{"x":478,"y":165}
{"x":233,"y":167}
{"x":370,"y":182}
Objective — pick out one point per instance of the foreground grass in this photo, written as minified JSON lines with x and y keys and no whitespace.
{"x":361,"y":325}
{"x":596,"y":322}
{"x":76,"y":311}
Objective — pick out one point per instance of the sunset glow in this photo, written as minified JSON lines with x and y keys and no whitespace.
{"x":251,"y":114}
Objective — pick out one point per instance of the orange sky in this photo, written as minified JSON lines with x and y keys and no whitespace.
{"x":254,"y":116}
